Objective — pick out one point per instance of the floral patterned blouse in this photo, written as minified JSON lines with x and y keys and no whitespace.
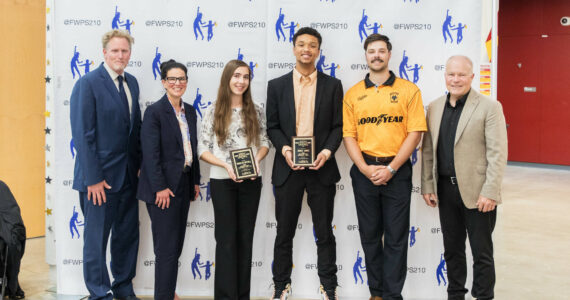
{"x":236,"y":138}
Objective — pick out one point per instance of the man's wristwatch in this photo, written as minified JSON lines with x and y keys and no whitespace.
{"x":391,"y":170}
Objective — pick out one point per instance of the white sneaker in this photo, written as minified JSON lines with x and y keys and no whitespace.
{"x":328,"y":294}
{"x":281,"y":292}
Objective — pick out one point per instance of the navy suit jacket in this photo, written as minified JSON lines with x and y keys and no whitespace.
{"x":327,"y":124}
{"x":163,"y":152}
{"x":106,"y":139}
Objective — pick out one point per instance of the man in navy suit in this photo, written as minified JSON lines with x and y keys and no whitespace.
{"x":305,"y":102}
{"x":105,"y":124}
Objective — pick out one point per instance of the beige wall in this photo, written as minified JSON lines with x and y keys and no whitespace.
{"x":22,"y":106}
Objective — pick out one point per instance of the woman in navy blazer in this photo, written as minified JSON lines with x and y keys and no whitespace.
{"x":170,"y":174}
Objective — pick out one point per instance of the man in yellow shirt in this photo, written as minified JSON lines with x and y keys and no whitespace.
{"x":383,"y":120}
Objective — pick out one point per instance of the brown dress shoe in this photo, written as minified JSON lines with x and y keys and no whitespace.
{"x":375,"y":298}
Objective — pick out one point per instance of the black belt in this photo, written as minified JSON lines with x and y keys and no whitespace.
{"x":380,"y":160}
{"x":186,"y":169}
{"x":450,"y":179}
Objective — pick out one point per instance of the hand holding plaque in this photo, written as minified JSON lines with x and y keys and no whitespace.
{"x":243,"y":163}
{"x":303,"y":150}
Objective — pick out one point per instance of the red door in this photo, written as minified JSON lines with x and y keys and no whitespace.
{"x":555,"y":101}
{"x":518,"y":68}
{"x":534,"y":79}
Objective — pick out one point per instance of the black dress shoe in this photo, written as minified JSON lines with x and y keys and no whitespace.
{"x":19,"y":294}
{"x":131,"y":297}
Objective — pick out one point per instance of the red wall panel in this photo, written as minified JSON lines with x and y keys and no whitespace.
{"x":512,"y":24}
{"x":530,"y":34}
{"x":553,"y":11}
{"x":521,"y":109}
{"x":555,"y":100}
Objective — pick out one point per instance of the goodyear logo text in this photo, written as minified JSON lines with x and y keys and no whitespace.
{"x":383,"y":118}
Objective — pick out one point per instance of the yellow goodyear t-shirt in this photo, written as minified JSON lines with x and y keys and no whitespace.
{"x":379,"y":118}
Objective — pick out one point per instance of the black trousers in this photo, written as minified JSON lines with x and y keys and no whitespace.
{"x":235,"y":212}
{"x":288,"y":201}
{"x":168,"y":231}
{"x":384,"y":210}
{"x":458,"y":222}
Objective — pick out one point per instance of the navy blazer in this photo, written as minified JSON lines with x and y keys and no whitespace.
{"x":163,"y":152}
{"x":106,"y":140}
{"x":327,"y":123}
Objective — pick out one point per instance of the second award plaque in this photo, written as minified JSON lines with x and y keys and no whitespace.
{"x":243,"y":163}
{"x":303,"y":150}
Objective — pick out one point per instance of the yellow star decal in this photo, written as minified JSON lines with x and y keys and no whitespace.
{"x":47,"y":10}
{"x":47,"y":114}
{"x":48,"y":211}
{"x":47,"y":163}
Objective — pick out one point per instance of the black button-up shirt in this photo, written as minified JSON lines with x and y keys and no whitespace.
{"x":446,"y":141}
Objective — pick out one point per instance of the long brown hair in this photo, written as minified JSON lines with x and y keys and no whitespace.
{"x":223,"y":110}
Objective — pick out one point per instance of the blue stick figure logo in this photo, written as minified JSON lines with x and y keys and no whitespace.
{"x":205,"y":185}
{"x":156,"y":64}
{"x":239,"y":55}
{"x":363,"y":26}
{"x":280,"y":25}
{"x":199,"y":24}
{"x":72,"y":148}
{"x":321,"y":62}
{"x":404,"y":68}
{"x":197,"y":264}
{"x":358,"y":267}
{"x":74,"y":222}
{"x":128,"y":24}
{"x":448,"y":27}
{"x":415,"y":156}
{"x":413,"y":231}
{"x":322,"y":66}
{"x":76,"y":63}
{"x":116,"y":23}
{"x":441,"y":270}
{"x":416,"y":71}
{"x":207,"y":266}
{"x":412,"y":1}
{"x":252,"y":65}
{"x":375,"y":27}
{"x":198,"y":105}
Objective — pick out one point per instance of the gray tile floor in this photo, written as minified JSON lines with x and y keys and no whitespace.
{"x":532,"y":240}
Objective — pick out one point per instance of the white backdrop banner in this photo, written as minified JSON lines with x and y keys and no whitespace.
{"x":204,"y":35}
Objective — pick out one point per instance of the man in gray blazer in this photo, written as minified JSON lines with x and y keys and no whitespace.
{"x":464,"y":157}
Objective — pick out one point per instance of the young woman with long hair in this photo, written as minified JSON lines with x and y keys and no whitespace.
{"x":233,"y":122}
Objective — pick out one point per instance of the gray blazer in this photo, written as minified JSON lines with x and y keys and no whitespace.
{"x":480,"y":150}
